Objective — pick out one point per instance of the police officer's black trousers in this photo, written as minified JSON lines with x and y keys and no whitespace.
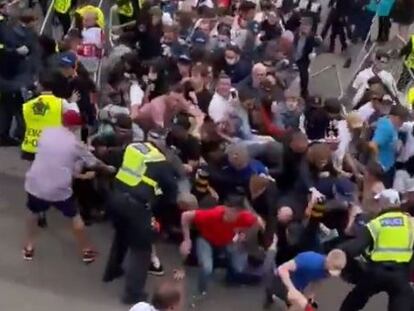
{"x":132,"y":241}
{"x":393,"y":280}
{"x":11,"y":107}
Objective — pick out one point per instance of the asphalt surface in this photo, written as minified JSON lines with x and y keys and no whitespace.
{"x":57,"y":280}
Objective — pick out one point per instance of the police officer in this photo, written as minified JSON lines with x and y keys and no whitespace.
{"x":62,"y":8}
{"x":408,"y":53}
{"x":43,"y":111}
{"x":388,"y":241}
{"x":142,"y":178}
{"x":12,"y":53}
{"x":128,"y":10}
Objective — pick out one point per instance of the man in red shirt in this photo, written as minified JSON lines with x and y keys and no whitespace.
{"x":217,"y":228}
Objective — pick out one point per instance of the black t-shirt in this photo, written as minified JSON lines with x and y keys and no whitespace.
{"x":204,"y":98}
{"x":188,"y":149}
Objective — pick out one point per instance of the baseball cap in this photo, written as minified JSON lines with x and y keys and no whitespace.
{"x":389,"y":197}
{"x":71,"y":118}
{"x":199,"y":38}
{"x":184,"y":58}
{"x":344,"y":190}
{"x":67,"y":59}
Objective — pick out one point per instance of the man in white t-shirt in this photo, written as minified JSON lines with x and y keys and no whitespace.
{"x":360,"y":83}
{"x":221,"y":107}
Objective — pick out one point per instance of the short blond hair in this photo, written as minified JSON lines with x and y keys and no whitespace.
{"x":337,"y":259}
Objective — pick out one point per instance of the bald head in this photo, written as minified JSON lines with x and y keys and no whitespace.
{"x":259,"y":68}
{"x":238,"y":156}
{"x":258,"y":74}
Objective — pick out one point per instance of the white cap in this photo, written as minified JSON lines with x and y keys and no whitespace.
{"x":389,"y":197}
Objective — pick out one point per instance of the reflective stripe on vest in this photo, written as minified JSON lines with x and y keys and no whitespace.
{"x":39,"y":113}
{"x":410,"y":97}
{"x":393,"y":237}
{"x":409,"y":62}
{"x":127,"y":9}
{"x":134,"y":165}
{"x":62,"y":6}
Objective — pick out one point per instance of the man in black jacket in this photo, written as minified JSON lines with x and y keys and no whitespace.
{"x":304,"y":44}
{"x":19,"y":62}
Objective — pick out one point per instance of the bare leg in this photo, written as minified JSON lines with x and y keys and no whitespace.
{"x":31,"y":230}
{"x":78,"y":228}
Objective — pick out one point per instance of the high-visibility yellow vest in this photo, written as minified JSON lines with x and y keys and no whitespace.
{"x":93,"y":9}
{"x":62,"y":6}
{"x":410,"y":97}
{"x":393,"y":236}
{"x":127,"y":9}
{"x":134,"y":165}
{"x":40,"y":113}
{"x":409,"y":62}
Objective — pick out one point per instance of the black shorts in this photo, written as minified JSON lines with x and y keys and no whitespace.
{"x":278,"y":289}
{"x":36,"y":206}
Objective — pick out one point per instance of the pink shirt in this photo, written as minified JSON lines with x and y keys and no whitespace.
{"x":59,"y":154}
{"x":157,"y":113}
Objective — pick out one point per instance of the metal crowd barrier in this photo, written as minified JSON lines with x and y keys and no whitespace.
{"x":48,"y":17}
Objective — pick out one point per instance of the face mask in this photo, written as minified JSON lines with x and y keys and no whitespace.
{"x":221,"y":44}
{"x":231,"y":61}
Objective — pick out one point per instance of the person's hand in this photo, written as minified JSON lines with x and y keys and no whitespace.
{"x":346,"y":174}
{"x":316,"y":195}
{"x":188,"y":168}
{"x":296,"y":298}
{"x":178,"y":274}
{"x":214,"y":194}
{"x":185,"y":248}
{"x":22,"y":50}
{"x":88,"y":175}
{"x":193,"y":97}
{"x":75,"y":97}
{"x":110,"y":169}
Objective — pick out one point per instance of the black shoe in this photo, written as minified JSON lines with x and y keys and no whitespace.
{"x":156,"y":269}
{"x":42,"y":221}
{"x":109,"y":277}
{"x":8,"y":142}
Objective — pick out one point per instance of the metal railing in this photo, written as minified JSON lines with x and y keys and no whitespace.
{"x":48,"y":17}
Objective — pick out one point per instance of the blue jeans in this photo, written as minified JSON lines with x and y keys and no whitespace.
{"x":205,"y":257}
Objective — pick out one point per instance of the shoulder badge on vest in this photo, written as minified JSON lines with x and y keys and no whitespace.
{"x":40,"y":108}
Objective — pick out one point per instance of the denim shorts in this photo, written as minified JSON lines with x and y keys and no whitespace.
{"x":36,"y":205}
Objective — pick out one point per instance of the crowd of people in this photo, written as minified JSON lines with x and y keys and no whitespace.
{"x":197,"y":134}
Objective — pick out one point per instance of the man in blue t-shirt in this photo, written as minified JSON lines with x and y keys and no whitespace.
{"x":241,"y":166}
{"x":384,"y":141}
{"x":295,"y":279}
